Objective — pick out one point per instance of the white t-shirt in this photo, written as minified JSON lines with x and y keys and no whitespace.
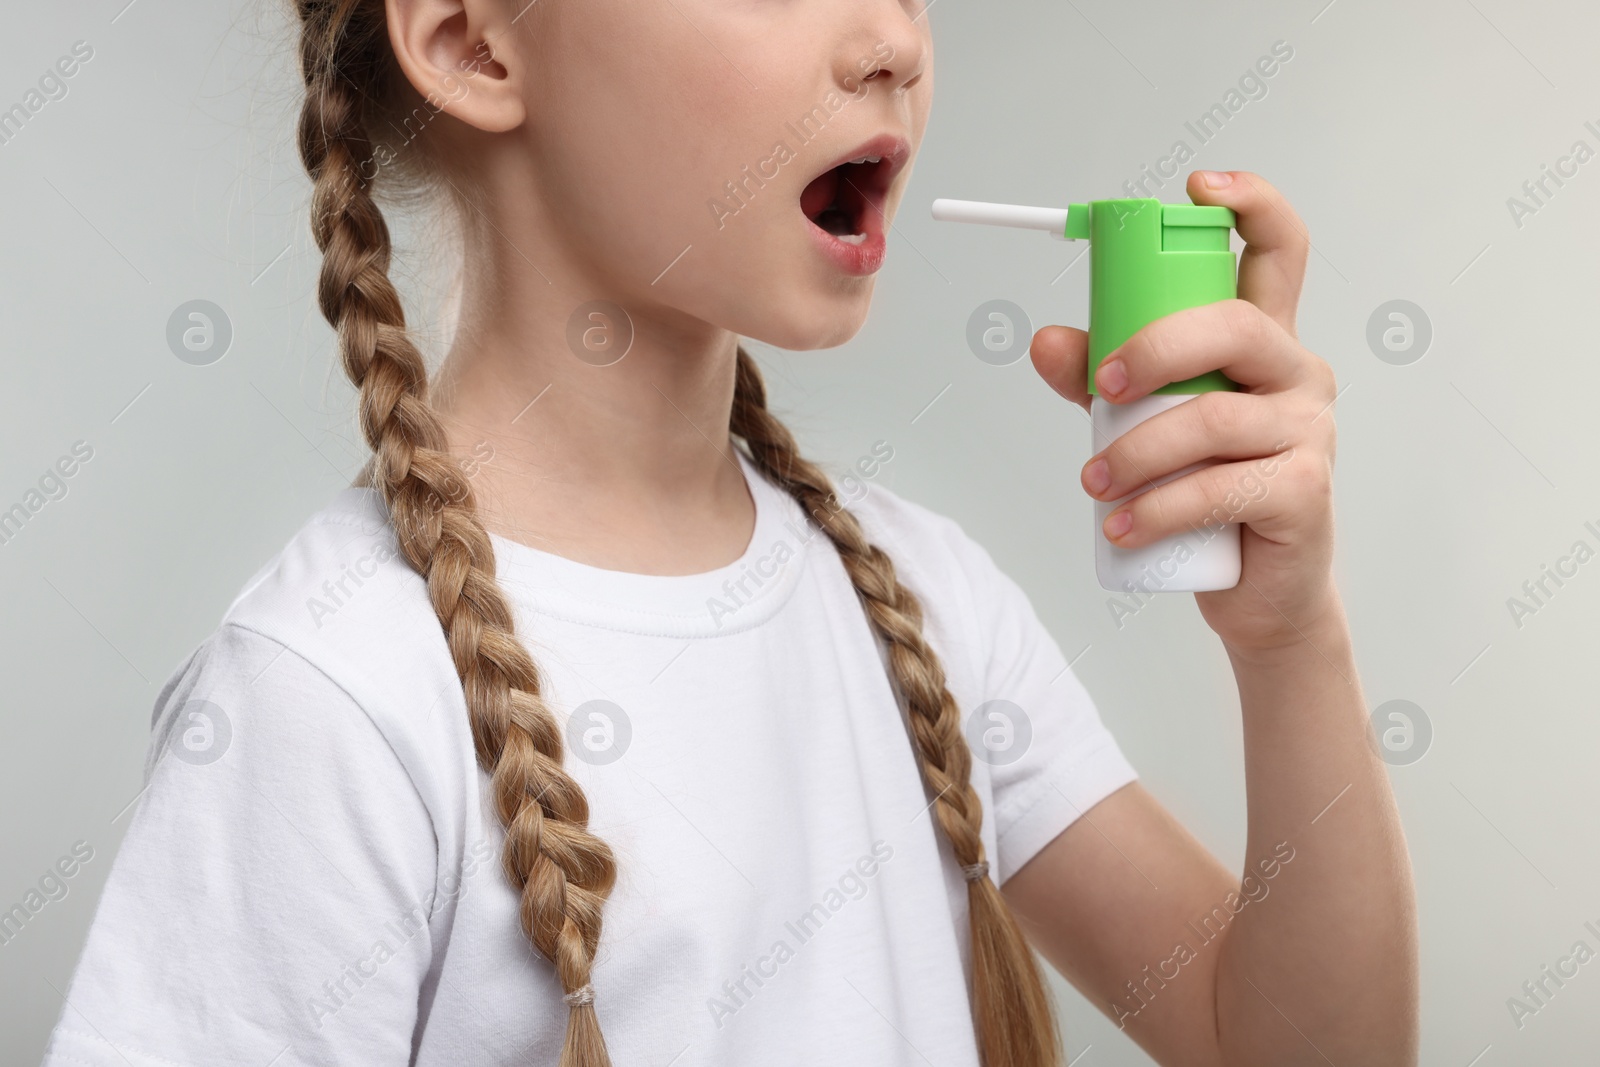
{"x":312,"y":875}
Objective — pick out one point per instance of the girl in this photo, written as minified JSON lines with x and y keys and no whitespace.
{"x":568,"y":659}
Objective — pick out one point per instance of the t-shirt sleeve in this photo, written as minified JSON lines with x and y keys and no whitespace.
{"x":1050,"y":757}
{"x":269,"y":903}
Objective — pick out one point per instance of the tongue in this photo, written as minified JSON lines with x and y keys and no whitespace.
{"x":820,"y":194}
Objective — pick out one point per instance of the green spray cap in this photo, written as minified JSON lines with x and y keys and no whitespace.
{"x":1146,"y":260}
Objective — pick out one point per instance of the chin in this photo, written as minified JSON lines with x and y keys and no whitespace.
{"x":805,"y":325}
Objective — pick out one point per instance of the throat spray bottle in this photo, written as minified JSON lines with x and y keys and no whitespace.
{"x":1146,"y":260}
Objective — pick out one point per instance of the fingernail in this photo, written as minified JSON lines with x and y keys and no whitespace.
{"x":1097,"y":476}
{"x":1216,"y":179}
{"x":1119,"y":524}
{"x":1112,"y":377}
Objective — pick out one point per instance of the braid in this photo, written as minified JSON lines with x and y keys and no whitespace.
{"x":562,"y":871}
{"x":1016,"y":1027}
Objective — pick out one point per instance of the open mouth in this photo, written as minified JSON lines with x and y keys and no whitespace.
{"x":845,"y":204}
{"x":847,"y":201}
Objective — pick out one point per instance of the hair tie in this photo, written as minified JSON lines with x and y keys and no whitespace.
{"x":976,"y":870}
{"x":582,"y":995}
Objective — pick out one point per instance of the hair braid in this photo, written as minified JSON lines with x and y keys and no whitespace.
{"x":1015,"y":1023}
{"x":562,"y":871}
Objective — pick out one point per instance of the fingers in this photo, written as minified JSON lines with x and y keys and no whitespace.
{"x":1272,"y":266}
{"x":1274,"y":494}
{"x":1211,"y":426}
{"x":1234,"y":336}
{"x":1060,"y":355}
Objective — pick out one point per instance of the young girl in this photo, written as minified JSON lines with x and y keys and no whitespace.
{"x":594,"y":725}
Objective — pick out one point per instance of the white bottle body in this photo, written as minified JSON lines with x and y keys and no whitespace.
{"x":1203,"y":558}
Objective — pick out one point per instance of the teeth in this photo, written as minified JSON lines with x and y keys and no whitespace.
{"x":853,"y":239}
{"x":868,"y":159}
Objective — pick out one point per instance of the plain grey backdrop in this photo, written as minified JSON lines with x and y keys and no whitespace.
{"x":166,"y":173}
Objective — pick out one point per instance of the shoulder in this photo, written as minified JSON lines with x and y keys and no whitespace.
{"x":967,"y":599}
{"x":341,"y":554}
{"x":335,"y":629}
{"x":928,"y":544}
{"x":1033,"y":727}
{"x":340,"y":595}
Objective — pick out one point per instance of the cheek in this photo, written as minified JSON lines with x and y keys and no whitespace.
{"x":610,"y":154}
{"x":640,"y":143}
{"x":724,"y":156}
{"x":726,"y":143}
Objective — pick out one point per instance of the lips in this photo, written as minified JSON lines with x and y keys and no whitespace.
{"x":847,"y":199}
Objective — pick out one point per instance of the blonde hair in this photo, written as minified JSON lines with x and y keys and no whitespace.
{"x":563,"y":872}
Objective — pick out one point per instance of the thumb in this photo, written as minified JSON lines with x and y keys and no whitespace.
{"x":1061,"y":355}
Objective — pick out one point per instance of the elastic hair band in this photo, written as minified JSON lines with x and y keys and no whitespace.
{"x":582,"y":995}
{"x":976,"y":870}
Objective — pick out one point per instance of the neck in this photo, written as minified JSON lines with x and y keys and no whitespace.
{"x":627,"y":465}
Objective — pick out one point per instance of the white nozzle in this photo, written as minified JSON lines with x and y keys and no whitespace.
{"x":1050,"y":219}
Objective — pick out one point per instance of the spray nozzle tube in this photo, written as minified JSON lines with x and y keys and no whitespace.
{"x":1057,"y":221}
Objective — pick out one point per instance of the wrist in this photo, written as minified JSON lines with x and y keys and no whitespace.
{"x":1319,"y":631}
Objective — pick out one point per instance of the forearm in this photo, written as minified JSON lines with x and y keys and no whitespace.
{"x":1322,"y":966}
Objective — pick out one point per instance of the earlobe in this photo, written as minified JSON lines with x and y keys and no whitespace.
{"x":460,"y":56}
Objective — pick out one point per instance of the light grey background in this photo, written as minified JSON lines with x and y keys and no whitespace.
{"x":168,"y":173}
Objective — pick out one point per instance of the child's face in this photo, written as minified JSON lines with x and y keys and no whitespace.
{"x":641,"y":114}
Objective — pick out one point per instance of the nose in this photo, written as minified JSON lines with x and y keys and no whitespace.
{"x":889,"y":49}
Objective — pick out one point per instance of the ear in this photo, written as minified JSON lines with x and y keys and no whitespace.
{"x":460,"y":56}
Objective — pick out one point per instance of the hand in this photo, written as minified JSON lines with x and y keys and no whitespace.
{"x":1285,"y":407}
